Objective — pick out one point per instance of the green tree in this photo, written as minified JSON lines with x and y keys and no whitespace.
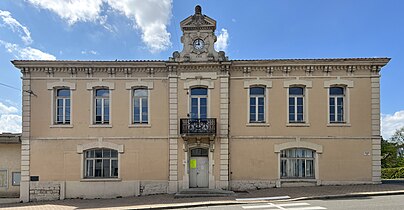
{"x":398,"y":137}
{"x":390,"y":159}
{"x":389,"y":154}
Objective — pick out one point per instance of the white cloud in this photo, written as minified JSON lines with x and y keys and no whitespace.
{"x":150,"y":16}
{"x":4,"y":109}
{"x":25,"y":34}
{"x":72,"y":10}
{"x":390,"y":123}
{"x":92,"y":52}
{"x":26,"y":53}
{"x":9,"y":121}
{"x":222,"y":40}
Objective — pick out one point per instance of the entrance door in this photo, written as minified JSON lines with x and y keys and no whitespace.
{"x":199,"y":168}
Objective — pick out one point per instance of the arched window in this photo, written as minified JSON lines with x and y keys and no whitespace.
{"x":336,"y":103}
{"x":296,"y":105}
{"x":140,"y":106}
{"x":62,"y":106}
{"x":297,"y":163}
{"x":199,"y":103}
{"x":101,"y":163}
{"x":257,"y":104}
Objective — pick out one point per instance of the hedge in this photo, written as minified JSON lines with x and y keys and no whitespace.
{"x":392,"y":173}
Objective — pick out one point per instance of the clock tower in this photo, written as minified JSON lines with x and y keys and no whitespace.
{"x":198,"y":39}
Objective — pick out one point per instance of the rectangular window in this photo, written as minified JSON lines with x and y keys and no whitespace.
{"x":257,"y":105}
{"x":101,"y":163}
{"x":336,"y":104}
{"x":16,"y":178}
{"x":296,"y":105}
{"x":3,"y":178}
{"x":62,"y":106}
{"x":101,"y":103}
{"x":140,"y":106}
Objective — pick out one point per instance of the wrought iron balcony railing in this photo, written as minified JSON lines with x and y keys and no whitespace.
{"x":198,"y":127}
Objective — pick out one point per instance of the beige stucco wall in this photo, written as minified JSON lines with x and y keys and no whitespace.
{"x":317,"y":102}
{"x":341,"y":159}
{"x":142,"y":159}
{"x":10,"y":159}
{"x":81,"y":111}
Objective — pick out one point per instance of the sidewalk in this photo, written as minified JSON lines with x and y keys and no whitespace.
{"x":168,"y":201}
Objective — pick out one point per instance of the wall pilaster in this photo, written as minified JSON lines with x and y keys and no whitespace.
{"x":224,"y":132}
{"x":173,"y":130}
{"x":376,"y":145}
{"x":25,"y":138}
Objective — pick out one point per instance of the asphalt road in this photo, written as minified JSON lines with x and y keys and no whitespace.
{"x":392,"y":202}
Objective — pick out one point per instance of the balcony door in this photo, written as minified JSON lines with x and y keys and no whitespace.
{"x":199,"y":103}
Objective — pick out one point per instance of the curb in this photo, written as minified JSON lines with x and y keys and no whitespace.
{"x":350,"y":195}
{"x":227,"y":203}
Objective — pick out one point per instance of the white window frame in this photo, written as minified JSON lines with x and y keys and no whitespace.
{"x":299,"y":144}
{"x":295,"y":99}
{"x":266,"y":85}
{"x":100,"y":85}
{"x":256,"y":102}
{"x":347,"y":84}
{"x":336,"y":97}
{"x":93,"y":159}
{"x":53,"y":87}
{"x":305,"y":159}
{"x":306,"y":85}
{"x":81,"y":148}
{"x":63,"y":98}
{"x":131,"y":86}
{"x":140,"y":106}
{"x":103,"y":99}
{"x":199,"y":100}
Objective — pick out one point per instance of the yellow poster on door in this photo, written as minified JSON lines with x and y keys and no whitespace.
{"x":192,"y":163}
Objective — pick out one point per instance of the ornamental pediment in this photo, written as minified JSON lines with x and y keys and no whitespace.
{"x":198,"y":21}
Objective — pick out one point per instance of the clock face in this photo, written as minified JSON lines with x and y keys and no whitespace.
{"x":198,"y":44}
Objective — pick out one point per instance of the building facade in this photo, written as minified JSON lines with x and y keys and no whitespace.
{"x":97,"y":129}
{"x":10,"y":158}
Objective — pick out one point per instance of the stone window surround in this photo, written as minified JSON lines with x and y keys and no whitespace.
{"x":306,"y":85}
{"x":54,"y":86}
{"x":91,"y":87}
{"x":208,"y":84}
{"x":298,"y":144}
{"x":258,"y":83}
{"x":131,"y":86}
{"x":81,"y":148}
{"x":346,"y":84}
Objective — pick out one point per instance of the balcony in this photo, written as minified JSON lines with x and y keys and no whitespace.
{"x":200,"y":127}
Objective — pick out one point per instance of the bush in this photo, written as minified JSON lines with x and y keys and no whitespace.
{"x":392,"y":173}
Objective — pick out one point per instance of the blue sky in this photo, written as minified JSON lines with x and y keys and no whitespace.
{"x":149,"y":29}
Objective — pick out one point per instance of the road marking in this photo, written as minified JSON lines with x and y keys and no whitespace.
{"x":264,"y":198}
{"x":285,"y":206}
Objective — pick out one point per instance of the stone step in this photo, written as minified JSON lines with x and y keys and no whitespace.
{"x":203,"y":192}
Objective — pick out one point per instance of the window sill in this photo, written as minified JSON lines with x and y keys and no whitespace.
{"x":298,"y":180}
{"x":139,"y":126}
{"x":298,"y":125}
{"x":257,"y":124}
{"x":101,"y":180}
{"x":61,"y":126}
{"x":338,"y":125}
{"x":100,"y":126}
